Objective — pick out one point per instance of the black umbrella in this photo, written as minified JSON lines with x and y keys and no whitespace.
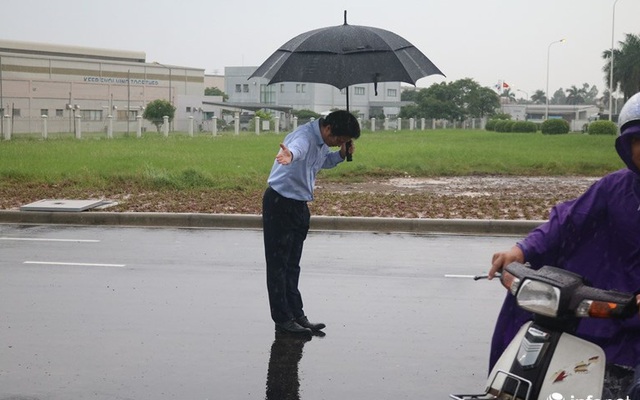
{"x":345,"y":55}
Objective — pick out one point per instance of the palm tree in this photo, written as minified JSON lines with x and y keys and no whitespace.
{"x":626,"y":67}
{"x":539,"y":97}
{"x":558,"y":97}
{"x":575,"y":95}
{"x":509,"y":95}
{"x":590,"y":93}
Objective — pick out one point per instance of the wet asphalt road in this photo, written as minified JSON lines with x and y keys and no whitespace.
{"x":135,"y":313}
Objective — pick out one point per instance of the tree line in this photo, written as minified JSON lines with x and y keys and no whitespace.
{"x":465,"y":98}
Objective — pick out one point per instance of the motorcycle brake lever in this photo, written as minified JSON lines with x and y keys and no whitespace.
{"x":486,"y":276}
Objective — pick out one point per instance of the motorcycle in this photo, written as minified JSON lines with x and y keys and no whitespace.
{"x":545,"y":360}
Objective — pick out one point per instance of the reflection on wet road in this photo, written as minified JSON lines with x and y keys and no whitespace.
{"x":283,"y":382}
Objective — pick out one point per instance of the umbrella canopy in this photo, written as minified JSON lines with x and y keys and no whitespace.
{"x":345,"y":55}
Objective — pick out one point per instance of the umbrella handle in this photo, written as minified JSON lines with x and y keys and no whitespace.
{"x":347,"y":147}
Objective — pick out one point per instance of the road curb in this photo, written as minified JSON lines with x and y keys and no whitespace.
{"x":246,"y":221}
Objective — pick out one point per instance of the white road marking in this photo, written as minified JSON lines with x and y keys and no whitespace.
{"x":51,"y":240}
{"x":75,"y":264}
{"x":460,"y":276}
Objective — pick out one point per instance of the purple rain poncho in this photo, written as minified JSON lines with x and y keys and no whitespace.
{"x":597,"y":236}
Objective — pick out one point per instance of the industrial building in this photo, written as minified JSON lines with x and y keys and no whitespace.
{"x":67,"y":82}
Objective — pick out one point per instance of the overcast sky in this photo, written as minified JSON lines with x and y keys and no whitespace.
{"x":488,"y":41}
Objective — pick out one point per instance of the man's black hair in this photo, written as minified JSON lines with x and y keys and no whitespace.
{"x":342,"y":123}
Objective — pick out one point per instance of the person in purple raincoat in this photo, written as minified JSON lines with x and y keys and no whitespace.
{"x":596,"y":235}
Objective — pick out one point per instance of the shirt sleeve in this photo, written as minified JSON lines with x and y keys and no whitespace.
{"x":332,"y":160}
{"x":299,"y":148}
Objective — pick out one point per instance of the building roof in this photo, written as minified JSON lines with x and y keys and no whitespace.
{"x":249,"y":106}
{"x":53,"y":50}
{"x":560,"y":107}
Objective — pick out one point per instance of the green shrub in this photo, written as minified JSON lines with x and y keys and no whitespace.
{"x":306,"y":114}
{"x":602,"y":127}
{"x":502,"y":116}
{"x":498,"y":119}
{"x":501,"y":125}
{"x":555,"y":126}
{"x":524,"y":126}
{"x":491,"y":125}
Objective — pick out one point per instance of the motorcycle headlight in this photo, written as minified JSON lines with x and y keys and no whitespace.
{"x":539,"y":297}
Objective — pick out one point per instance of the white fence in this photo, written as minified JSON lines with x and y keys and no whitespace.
{"x":45,"y":126}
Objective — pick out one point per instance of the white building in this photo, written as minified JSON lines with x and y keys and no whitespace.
{"x":576,"y":115}
{"x":316,"y":97}
{"x":63,"y":82}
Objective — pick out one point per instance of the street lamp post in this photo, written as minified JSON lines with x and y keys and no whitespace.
{"x":128,"y":98}
{"x":170,"y":83}
{"x":546,"y":111}
{"x":1,"y":103}
{"x":525,"y":93}
{"x":613,"y":20}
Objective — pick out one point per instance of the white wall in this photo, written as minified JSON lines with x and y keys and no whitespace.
{"x":311,"y":96}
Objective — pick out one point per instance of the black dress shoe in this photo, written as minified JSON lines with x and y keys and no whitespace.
{"x":304,"y":322}
{"x":292,"y":327}
{"x":319,"y":334}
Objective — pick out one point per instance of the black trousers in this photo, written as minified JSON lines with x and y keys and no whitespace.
{"x":285,"y":224}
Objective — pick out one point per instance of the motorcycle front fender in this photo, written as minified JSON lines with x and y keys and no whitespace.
{"x":575,"y":370}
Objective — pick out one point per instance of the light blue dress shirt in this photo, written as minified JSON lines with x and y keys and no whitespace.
{"x":310,"y":154}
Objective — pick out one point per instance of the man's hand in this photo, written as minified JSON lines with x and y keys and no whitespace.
{"x":344,"y":151}
{"x":504,"y":258}
{"x":284,"y":156}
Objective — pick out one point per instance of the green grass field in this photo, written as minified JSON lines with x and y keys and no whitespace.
{"x":244,"y":161}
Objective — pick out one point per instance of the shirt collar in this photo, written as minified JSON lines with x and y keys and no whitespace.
{"x":317,"y":134}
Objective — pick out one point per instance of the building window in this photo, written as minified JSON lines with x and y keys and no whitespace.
{"x":188,"y":109}
{"x":267,"y":94}
{"x":358,"y":90}
{"x":282,"y":88}
{"x":16,"y":112}
{"x":44,"y":111}
{"x":91,"y":115}
{"x":121,"y":115}
{"x":392,"y":93}
{"x":238,"y":88}
{"x":245,"y":88}
{"x":301,"y":88}
{"x":59,"y":112}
